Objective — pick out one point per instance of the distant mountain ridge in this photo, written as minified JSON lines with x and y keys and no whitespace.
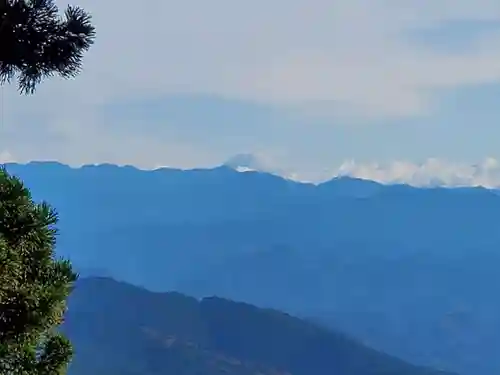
{"x":431,"y":173}
{"x":410,"y":271}
{"x":120,"y":329}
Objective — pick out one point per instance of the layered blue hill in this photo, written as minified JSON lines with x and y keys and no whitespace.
{"x":409,"y":271}
{"x":119,"y":329}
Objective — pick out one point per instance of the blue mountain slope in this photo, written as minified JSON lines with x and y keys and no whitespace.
{"x":410,"y":271}
{"x":121,"y":329}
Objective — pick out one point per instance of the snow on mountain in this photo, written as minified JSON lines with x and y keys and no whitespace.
{"x":256,"y":163}
{"x":245,"y":163}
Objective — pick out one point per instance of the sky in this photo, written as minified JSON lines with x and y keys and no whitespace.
{"x":383,"y":89}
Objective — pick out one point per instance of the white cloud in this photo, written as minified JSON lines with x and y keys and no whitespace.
{"x":347,"y":59}
{"x":287,"y":52}
{"x":432,"y":172}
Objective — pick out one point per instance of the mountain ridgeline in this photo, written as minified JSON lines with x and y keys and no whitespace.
{"x":119,"y":329}
{"x":409,"y":271}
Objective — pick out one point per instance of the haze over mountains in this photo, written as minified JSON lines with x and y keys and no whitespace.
{"x":408,"y":271}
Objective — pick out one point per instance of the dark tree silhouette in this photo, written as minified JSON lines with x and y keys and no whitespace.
{"x":36,"y":42}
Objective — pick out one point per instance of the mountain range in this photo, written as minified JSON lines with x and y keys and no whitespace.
{"x":119,"y":329}
{"x":408,"y":271}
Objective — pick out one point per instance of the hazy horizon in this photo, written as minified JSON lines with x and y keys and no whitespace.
{"x":430,"y":173}
{"x":374,"y":81}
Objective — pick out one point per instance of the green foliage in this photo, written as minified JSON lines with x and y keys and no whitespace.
{"x":37,"y":43}
{"x":34,"y":285}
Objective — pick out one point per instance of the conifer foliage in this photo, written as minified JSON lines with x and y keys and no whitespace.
{"x":36,"y":42}
{"x":34,"y":285}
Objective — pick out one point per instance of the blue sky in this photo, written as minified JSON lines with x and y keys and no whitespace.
{"x":304,"y":84}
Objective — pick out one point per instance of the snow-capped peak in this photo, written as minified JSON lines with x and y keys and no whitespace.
{"x":245,"y":163}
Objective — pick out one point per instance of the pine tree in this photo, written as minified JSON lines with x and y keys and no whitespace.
{"x":34,"y":285}
{"x":35,"y":42}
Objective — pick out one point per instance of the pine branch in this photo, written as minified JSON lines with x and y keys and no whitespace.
{"x":37,"y":43}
